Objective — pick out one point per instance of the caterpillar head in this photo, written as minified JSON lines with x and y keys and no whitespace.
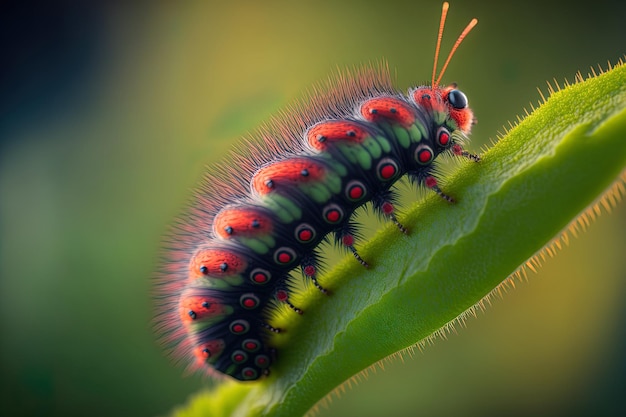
{"x":447,"y":100}
{"x":450,"y":101}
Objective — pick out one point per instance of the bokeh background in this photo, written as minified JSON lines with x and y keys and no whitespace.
{"x":109,"y":113}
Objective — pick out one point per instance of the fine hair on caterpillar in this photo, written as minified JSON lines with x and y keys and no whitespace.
{"x":265,"y":212}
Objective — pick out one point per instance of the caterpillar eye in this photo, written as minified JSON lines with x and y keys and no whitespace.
{"x":457,"y":99}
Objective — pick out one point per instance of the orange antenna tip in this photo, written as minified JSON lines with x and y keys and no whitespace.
{"x":442,"y":23}
{"x":462,"y":36}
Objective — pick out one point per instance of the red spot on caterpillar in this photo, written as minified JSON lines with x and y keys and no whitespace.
{"x":260,"y":276}
{"x":216,"y":263}
{"x":239,"y":327}
{"x":249,"y":301}
{"x":387,"y":208}
{"x":262,"y":361}
{"x":305,"y":233}
{"x":324,"y":134}
{"x":355,"y":190}
{"x":282,"y":296}
{"x":194,"y":307}
{"x":287,"y":174}
{"x":241,"y":221}
{"x":424,"y":156}
{"x":333,"y":214}
{"x":239,"y":357}
{"x":284,"y":256}
{"x":251,"y":345}
{"x":431,"y":182}
{"x":429,"y":98}
{"x":209,"y":350}
{"x":389,"y":108}
{"x":387,"y":169}
{"x":444,"y":138}
{"x":249,"y":373}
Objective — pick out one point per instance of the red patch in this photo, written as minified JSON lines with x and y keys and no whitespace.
{"x":387,"y":208}
{"x":428,"y":98}
{"x":284,"y":258}
{"x":281,"y":295}
{"x":260,"y":276}
{"x":333,"y":216}
{"x":356,"y":190}
{"x":463,"y":118}
{"x":324,"y":134}
{"x":425,"y":156}
{"x":388,"y":108}
{"x":387,"y":170}
{"x":208,"y":350}
{"x":249,"y":301}
{"x":251,"y":345}
{"x":444,"y":138}
{"x":216,"y":263}
{"x":305,"y":235}
{"x":287,"y":174}
{"x":241,"y":221}
{"x":198,"y":307}
{"x":262,"y":361}
{"x":431,"y":182}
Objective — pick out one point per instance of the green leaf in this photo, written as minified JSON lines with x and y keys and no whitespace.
{"x":529,"y":186}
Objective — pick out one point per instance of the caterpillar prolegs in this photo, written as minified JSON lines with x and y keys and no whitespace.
{"x":265,"y":212}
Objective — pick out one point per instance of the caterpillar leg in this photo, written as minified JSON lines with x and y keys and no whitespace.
{"x":459,"y":151}
{"x":309,"y":269}
{"x":431,"y":182}
{"x":270,"y":327}
{"x":384,"y":206}
{"x":282,"y":295}
{"x":388,"y":210}
{"x":345,"y":236}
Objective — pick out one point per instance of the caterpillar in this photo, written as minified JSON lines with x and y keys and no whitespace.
{"x":265,"y":212}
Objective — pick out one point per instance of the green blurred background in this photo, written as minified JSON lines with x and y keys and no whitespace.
{"x":109,"y":113}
